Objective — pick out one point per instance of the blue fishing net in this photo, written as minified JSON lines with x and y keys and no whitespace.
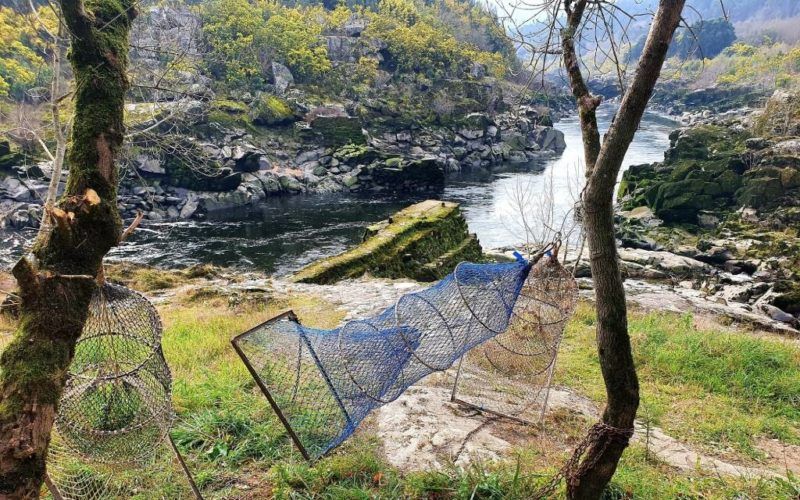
{"x":323,"y":383}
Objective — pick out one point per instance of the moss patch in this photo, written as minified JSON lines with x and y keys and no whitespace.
{"x":425,"y":233}
{"x":269,"y":110}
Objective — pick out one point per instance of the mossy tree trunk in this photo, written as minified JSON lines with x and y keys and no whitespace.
{"x":603,"y":162}
{"x":57,"y":279}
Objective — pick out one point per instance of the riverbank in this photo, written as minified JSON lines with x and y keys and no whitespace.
{"x":700,"y":429}
{"x":280,"y":234}
{"x":727,"y":198}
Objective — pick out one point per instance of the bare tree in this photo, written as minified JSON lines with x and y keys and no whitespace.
{"x":60,"y":130}
{"x":58,"y":278}
{"x":572,"y":31}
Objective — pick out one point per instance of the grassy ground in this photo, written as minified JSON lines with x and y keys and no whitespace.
{"x":717,"y":388}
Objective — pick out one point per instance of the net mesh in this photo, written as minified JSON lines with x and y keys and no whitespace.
{"x":323,"y":383}
{"x":116,"y":409}
{"x":508,"y":373}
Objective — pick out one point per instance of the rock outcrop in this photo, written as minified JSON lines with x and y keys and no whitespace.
{"x":424,"y":242}
{"x":727,"y":196}
{"x":712,"y":169}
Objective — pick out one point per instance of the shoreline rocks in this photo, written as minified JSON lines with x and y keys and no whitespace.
{"x":727,"y":195}
{"x":199,"y":177}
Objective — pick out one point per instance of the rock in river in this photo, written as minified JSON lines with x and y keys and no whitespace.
{"x":424,"y":242}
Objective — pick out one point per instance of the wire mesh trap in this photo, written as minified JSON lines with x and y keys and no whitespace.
{"x":323,"y":383}
{"x":116,"y":410}
{"x":510,"y":375}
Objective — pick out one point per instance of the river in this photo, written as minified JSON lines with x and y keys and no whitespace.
{"x":286,"y":233}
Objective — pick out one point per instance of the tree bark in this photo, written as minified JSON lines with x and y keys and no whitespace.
{"x":603,"y":163}
{"x":57,"y":279}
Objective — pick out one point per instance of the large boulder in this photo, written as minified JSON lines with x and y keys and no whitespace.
{"x":333,"y":126}
{"x":8,"y":158}
{"x":781,"y":116}
{"x":424,"y":241}
{"x":281,"y":77}
{"x":149,"y":166}
{"x":15,"y":189}
{"x":550,"y":139}
{"x":474,"y":125}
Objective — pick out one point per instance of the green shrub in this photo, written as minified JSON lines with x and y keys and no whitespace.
{"x":22,"y":43}
{"x":234,"y":32}
{"x":293,"y":37}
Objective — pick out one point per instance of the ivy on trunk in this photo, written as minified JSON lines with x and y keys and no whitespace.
{"x":57,"y":279}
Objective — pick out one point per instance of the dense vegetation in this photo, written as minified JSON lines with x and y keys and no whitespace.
{"x":441,"y":39}
{"x":241,"y":38}
{"x":23,"y":51}
{"x":766,"y":64}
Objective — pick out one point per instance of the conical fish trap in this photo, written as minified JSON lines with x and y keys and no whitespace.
{"x":116,"y":404}
{"x":116,"y":410}
{"x":508,"y":373}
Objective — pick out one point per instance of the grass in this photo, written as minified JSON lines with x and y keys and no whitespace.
{"x":721,"y":390}
{"x":718,"y":389}
{"x":715,"y":389}
{"x":148,"y":279}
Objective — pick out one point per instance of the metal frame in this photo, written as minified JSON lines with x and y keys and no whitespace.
{"x":291,"y":316}
{"x":185,"y":468}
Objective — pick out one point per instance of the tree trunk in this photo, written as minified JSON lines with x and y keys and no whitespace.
{"x":603,"y":164}
{"x":57,"y":279}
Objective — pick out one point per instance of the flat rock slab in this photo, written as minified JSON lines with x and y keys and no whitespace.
{"x":423,"y":430}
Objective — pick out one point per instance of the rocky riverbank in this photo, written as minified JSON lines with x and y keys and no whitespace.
{"x":239,"y":169}
{"x":214,"y":148}
{"x":726,"y":200}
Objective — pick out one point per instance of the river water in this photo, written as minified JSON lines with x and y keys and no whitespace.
{"x":286,"y":233}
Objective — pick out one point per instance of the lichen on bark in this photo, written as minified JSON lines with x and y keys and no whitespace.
{"x":57,"y":280}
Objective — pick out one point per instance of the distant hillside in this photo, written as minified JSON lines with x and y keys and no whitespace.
{"x":736,"y":10}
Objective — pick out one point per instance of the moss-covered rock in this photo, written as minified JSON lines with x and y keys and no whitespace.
{"x":789,"y":301}
{"x":356,"y":154}
{"x":781,"y":116}
{"x":269,"y":110}
{"x":702,"y":171}
{"x":228,"y":112}
{"x":424,"y":241}
{"x":760,"y":191}
{"x":338,"y":130}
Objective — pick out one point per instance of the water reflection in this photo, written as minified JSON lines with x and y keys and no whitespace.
{"x":489,"y":200}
